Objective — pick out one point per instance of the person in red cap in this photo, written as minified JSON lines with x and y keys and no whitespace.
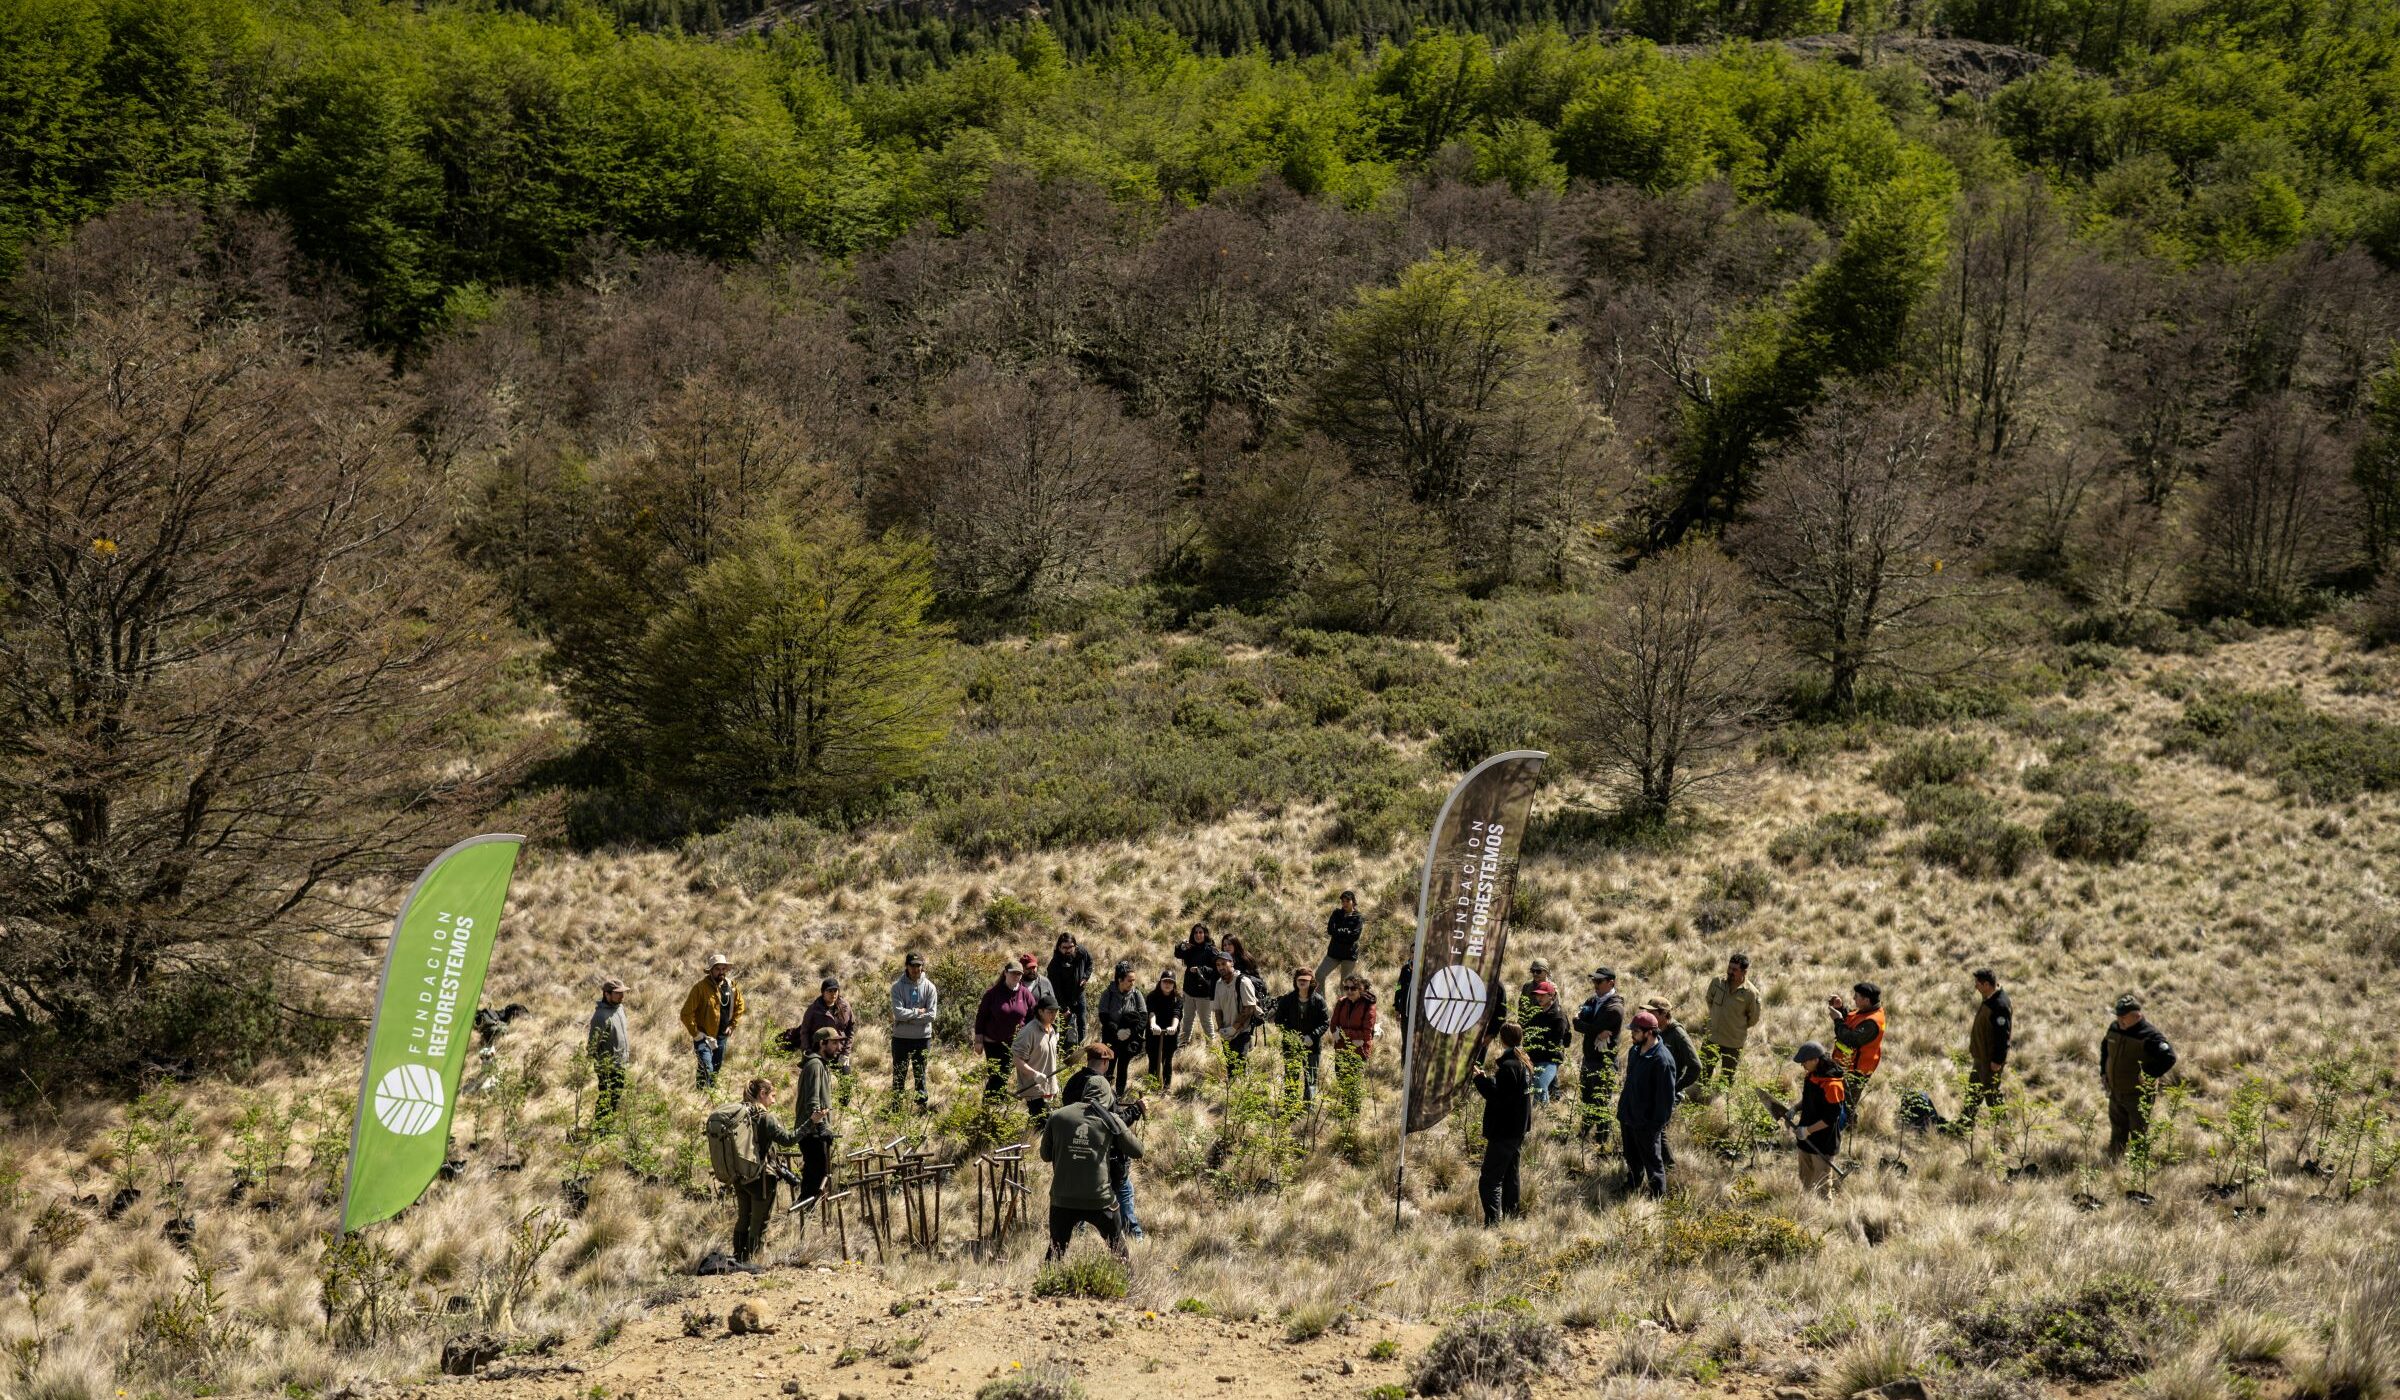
{"x":1044,"y":993}
{"x":1545,"y":1037}
{"x":1644,"y":1107}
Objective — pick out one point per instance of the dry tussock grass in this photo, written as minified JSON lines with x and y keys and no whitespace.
{"x":2237,"y":924}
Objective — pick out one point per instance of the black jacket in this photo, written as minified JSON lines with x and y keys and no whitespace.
{"x":1817,"y":1107}
{"x":1067,"y":975}
{"x":1679,"y":1049}
{"x":1987,"y":1041}
{"x":1647,"y":1101}
{"x":1507,"y":1099}
{"x":1199,"y":968}
{"x":2127,"y":1057}
{"x":1545,"y":1034}
{"x":1307,"y":1020}
{"x":1601,"y":1022}
{"x":1341,"y":934}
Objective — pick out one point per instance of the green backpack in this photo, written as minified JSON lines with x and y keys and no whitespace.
{"x":733,"y":1155}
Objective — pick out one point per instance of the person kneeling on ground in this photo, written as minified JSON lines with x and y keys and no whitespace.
{"x":754,"y":1200}
{"x":1099,"y":1064}
{"x":1822,"y":1112}
{"x":1076,"y":1142}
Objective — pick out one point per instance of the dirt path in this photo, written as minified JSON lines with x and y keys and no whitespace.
{"x":837,"y":1336}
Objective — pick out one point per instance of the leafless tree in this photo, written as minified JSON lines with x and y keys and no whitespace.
{"x":1857,"y":537}
{"x":1997,"y":299}
{"x":2278,"y":513}
{"x":1666,"y":676}
{"x":2124,"y":552}
{"x":236,"y":649}
{"x":2161,"y":361}
{"x":1032,"y":487}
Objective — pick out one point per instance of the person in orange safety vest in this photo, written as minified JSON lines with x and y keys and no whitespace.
{"x":1858,"y":1038}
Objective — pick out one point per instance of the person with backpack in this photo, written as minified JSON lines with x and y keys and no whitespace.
{"x":742,"y":1141}
{"x":1070,"y":972}
{"x":610,"y":1046}
{"x":1099,"y":1065}
{"x":1824,"y":1111}
{"x":1006,"y":1006}
{"x":813,"y":1113}
{"x":1077,"y":1142}
{"x":1645,"y":1106}
{"x":1036,"y":1052}
{"x":1198,"y":954}
{"x":2134,"y":1056}
{"x":1165,"y":1007}
{"x":1301,"y":1016}
{"x":1235,"y":1010}
{"x":1545,"y":1038}
{"x":1507,"y":1092}
{"x":916,"y":1003}
{"x":1343,"y":929}
{"x":1600,"y":1021}
{"x":711,"y":1010}
{"x":1124,"y":1017}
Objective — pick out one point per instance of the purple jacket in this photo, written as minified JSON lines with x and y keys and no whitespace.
{"x":1002,"y":1013}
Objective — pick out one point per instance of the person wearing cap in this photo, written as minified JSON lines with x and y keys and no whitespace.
{"x":1679,"y":1047}
{"x":1099,"y":1067}
{"x":916,"y":1002}
{"x":1987,"y":1046}
{"x":1507,"y":1090}
{"x":1036,"y":1053}
{"x":1077,"y":1142}
{"x":2134,"y":1056}
{"x":1822,"y":1114}
{"x":1858,"y":1038}
{"x":1301,"y":1015}
{"x":1733,"y":1012}
{"x":1343,"y":929}
{"x":711,"y":1010}
{"x":1005,"y":1008}
{"x":1124,"y":1017}
{"x":1545,"y":1037}
{"x":1043,"y":989}
{"x":831,"y":1011}
{"x":1235,"y":1010}
{"x":1070,"y":971}
{"x":1164,"y":1011}
{"x":610,"y":1046}
{"x":1600,"y":1021}
{"x":1540,"y":968}
{"x":1198,"y":954}
{"x":813,"y":1114}
{"x":1645,"y":1105}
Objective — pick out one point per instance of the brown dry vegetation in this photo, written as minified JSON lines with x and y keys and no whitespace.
{"x":2261,"y":930}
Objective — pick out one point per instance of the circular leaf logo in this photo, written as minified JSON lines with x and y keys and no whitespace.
{"x":1454,"y":999}
{"x":408,"y":1100}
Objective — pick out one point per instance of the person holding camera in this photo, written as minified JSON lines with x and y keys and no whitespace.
{"x":1858,"y":1038}
{"x":1100,"y":1065}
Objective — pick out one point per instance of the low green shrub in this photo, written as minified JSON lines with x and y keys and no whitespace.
{"x":1983,"y":847}
{"x":1047,"y":1381}
{"x":1945,"y":803}
{"x":1694,"y":1235}
{"x":1939,"y":758}
{"x":1083,"y":1276}
{"x":1729,"y":894}
{"x":2093,"y":827}
{"x":1495,"y":1348}
{"x":2312,"y":755}
{"x":2107,"y":1329}
{"x":1836,"y":838}
{"x":2065,"y":777}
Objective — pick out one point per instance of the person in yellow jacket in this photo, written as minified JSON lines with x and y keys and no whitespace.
{"x":1733,"y":1012}
{"x":710,"y":1012}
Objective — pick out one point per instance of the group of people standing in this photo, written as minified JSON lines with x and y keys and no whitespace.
{"x":1635,"y":1064}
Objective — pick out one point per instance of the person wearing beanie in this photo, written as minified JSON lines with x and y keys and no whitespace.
{"x":1545,"y":1037}
{"x":1077,"y":1141}
{"x":610,"y":1046}
{"x":831,"y":1011}
{"x":2134,"y":1056}
{"x":1987,"y":1046}
{"x":1124,"y":1016}
{"x":1679,"y":1046}
{"x":916,"y":1003}
{"x":1645,"y":1106}
{"x":1099,"y":1066}
{"x":1601,"y":1023}
{"x":1507,"y":1090}
{"x":1822,"y":1114}
{"x":1733,"y":1012}
{"x":1343,"y":929}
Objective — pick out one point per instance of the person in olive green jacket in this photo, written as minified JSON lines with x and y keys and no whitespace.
{"x":815,"y":1115}
{"x":754,"y":1201}
{"x":2134,"y":1056}
{"x":1076,"y":1141}
{"x":1987,"y":1045}
{"x":1733,"y":1012}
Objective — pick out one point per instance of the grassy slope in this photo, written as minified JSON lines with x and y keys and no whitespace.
{"x":2237,"y":924}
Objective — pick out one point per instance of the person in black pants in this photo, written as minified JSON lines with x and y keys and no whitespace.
{"x":1070,"y":970}
{"x":1507,"y":1090}
{"x":1124,"y":1020}
{"x":1301,"y":1015}
{"x":1166,"y":1010}
{"x":1645,"y":1106}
